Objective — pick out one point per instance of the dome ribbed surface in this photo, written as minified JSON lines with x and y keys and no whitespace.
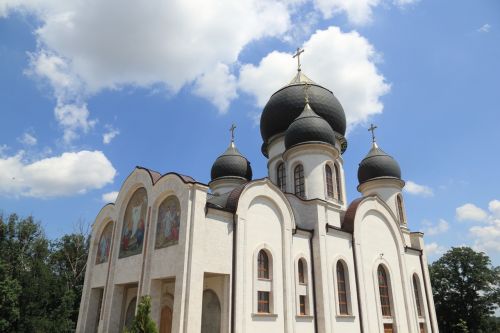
{"x":231,"y":164}
{"x":309,"y":127}
{"x":378,"y":164}
{"x":286,"y":104}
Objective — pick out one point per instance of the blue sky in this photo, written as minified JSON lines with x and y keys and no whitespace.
{"x":90,"y":89}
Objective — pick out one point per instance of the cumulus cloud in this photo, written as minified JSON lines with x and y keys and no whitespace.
{"x":218,"y":86}
{"x":417,"y":189}
{"x":109,"y":135}
{"x":68,"y":174}
{"x":436,"y":229}
{"x":484,"y":28}
{"x":342,"y":61}
{"x":109,"y":197}
{"x":433,"y":249}
{"x":28,"y":139}
{"x":358,"y":11}
{"x":487,"y":235}
{"x":470,"y":212}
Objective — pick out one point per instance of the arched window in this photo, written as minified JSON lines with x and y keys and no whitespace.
{"x":418,"y":295}
{"x":130,"y":313}
{"x":342,"y":288}
{"x":281,"y":176}
{"x":329,"y":181}
{"x":338,"y":195}
{"x":298,"y":177}
{"x":301,"y":270}
{"x":264,"y":284}
{"x":399,"y":203}
{"x":383,"y":287}
{"x":263,"y":265}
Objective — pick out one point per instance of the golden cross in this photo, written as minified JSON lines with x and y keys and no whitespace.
{"x":297,"y":55}
{"x":372,"y":129}
{"x":233,"y":127}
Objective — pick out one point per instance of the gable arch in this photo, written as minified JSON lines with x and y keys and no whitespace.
{"x":266,"y":190}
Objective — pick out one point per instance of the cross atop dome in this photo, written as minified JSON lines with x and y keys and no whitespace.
{"x":297,"y":55}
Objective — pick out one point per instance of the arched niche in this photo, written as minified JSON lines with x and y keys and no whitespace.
{"x":134,"y":223}
{"x":210,"y":313}
{"x":104,"y":245}
{"x":168,"y":222}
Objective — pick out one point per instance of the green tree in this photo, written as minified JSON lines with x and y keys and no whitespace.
{"x":466,"y":290}
{"x":143,"y":323}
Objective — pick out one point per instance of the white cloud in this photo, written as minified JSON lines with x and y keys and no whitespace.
{"x":432,"y":249}
{"x":109,"y":197}
{"x":109,"y":135}
{"x":68,"y":174}
{"x":439,"y":228}
{"x":470,"y":212}
{"x":487,"y":237}
{"x":484,"y":28}
{"x":494,"y":208}
{"x":73,"y":118}
{"x":218,"y":86}
{"x":417,"y":189}
{"x":343,"y":62}
{"x":358,"y":11}
{"x":28,"y":139}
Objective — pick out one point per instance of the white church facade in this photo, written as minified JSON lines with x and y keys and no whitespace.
{"x":285,"y":253}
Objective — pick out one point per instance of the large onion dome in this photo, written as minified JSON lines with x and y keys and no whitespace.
{"x":231,"y":164}
{"x":309,"y":127}
{"x":378,"y":164}
{"x":286,"y":104}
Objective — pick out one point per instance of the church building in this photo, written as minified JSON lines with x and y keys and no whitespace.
{"x":284,"y":253}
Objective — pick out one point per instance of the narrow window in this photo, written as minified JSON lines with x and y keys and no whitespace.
{"x":281,"y":175}
{"x":338,"y":195}
{"x":329,"y":181}
{"x":383,"y":286}
{"x":418,"y":299}
{"x":342,"y":290}
{"x":298,"y":176}
{"x":302,"y":300}
{"x":302,"y":278}
{"x":263,"y":302}
{"x":399,"y":203}
{"x":263,"y":265}
{"x":422,"y":328}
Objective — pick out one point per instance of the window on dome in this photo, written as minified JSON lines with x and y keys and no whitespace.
{"x":299,"y":183}
{"x":281,"y":176}
{"x":399,"y":203}
{"x":329,"y":181}
{"x":338,"y":195}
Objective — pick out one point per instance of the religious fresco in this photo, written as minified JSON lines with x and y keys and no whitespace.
{"x":167,"y":227}
{"x":134,"y":223}
{"x":104,"y":245}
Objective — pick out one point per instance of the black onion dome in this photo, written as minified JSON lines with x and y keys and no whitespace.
{"x":377,"y":164}
{"x":231,"y":164}
{"x":309,"y":127}
{"x":286,"y":104}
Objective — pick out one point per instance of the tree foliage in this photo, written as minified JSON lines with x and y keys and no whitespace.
{"x":143,"y":323}
{"x":466,"y":291}
{"x":40,"y":281}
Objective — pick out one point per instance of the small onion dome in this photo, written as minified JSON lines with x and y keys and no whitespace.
{"x":231,"y":164}
{"x":286,"y":104}
{"x":377,"y":164}
{"x":309,"y":127}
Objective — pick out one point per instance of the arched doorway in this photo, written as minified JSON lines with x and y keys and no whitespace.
{"x":210,"y":313}
{"x":166,"y":320}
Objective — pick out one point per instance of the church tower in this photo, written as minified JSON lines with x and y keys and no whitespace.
{"x":379,"y":174}
{"x":303,"y":127}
